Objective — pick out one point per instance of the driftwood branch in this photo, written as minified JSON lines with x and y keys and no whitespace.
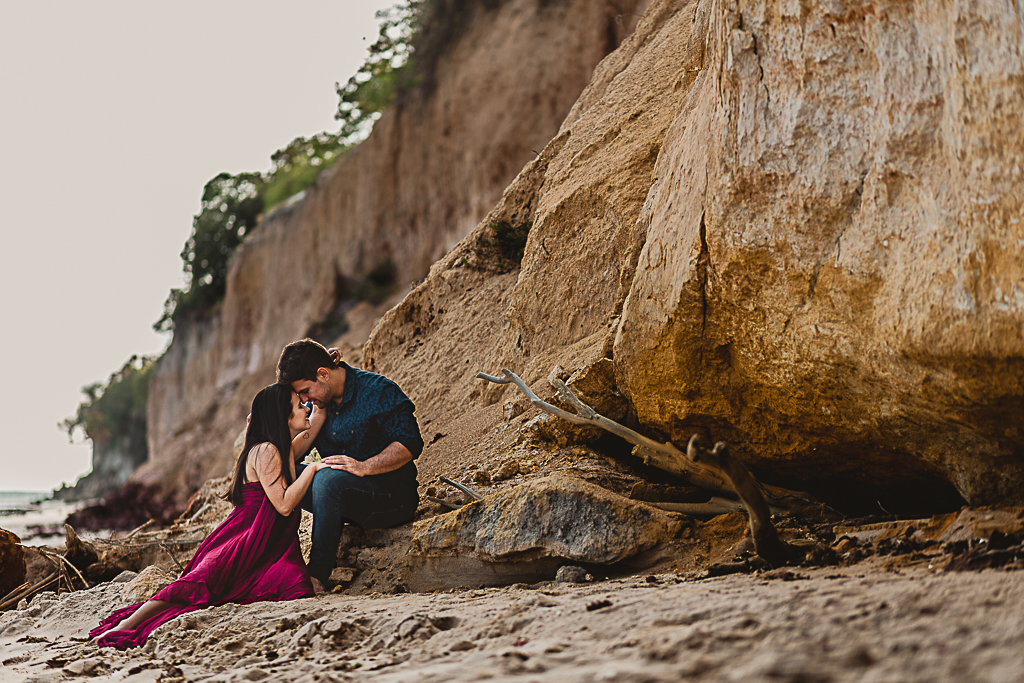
{"x":204,"y":508}
{"x":181,"y":570}
{"x":145,"y":525}
{"x":465,"y":489}
{"x":145,"y":544}
{"x":767,"y":543}
{"x":446,"y":503}
{"x":62,"y":564}
{"x":27,"y":590}
{"x":664,"y":456}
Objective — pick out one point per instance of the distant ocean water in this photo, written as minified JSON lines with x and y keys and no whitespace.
{"x":21,"y":500}
{"x":34,"y":517}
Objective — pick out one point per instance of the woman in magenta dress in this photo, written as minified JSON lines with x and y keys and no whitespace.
{"x":254,"y":554}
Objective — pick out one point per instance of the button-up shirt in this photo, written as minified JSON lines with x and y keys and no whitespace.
{"x":374,"y":413}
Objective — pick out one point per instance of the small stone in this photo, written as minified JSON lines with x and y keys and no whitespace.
{"x":513,"y":409}
{"x":507,"y":470}
{"x":342,"y":575}
{"x":571,"y":574}
{"x":482,"y":477}
{"x":144,"y":586}
{"x":86,"y":667}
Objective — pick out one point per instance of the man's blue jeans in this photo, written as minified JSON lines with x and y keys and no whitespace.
{"x":373,"y":502}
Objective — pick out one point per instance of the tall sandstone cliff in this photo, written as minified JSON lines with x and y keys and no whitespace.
{"x":424,"y":178}
{"x":796,"y":226}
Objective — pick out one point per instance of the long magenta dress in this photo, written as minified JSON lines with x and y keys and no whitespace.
{"x":252,"y":556}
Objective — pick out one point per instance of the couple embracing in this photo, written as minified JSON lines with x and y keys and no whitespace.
{"x":361,"y":424}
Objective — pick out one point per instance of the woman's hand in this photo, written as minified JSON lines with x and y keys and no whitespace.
{"x":285,"y":498}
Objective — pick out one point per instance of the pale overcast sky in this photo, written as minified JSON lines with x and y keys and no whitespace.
{"x":113,"y":115}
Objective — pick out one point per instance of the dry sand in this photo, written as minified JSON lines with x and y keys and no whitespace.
{"x":859,"y":623}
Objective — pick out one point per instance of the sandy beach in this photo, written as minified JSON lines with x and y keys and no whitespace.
{"x":859,"y":623}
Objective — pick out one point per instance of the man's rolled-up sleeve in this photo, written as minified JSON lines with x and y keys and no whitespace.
{"x":404,"y":429}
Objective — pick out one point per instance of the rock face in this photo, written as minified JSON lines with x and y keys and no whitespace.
{"x":799,"y":227}
{"x":523,"y":534}
{"x":833,"y":262}
{"x":427,"y":174}
{"x":112,"y":465}
{"x":552,"y":517}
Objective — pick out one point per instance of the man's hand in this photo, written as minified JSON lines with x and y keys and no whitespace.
{"x":356,"y":467}
{"x":388,"y":460}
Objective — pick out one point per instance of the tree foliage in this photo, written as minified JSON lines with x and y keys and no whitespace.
{"x":231,"y":208}
{"x":115,"y":414}
{"x":412,"y":37}
{"x":297,"y":166}
{"x":386,"y":71}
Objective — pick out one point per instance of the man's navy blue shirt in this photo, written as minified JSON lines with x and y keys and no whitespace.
{"x":374,"y":412}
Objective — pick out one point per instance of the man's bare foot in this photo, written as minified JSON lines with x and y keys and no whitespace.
{"x":318,"y":588}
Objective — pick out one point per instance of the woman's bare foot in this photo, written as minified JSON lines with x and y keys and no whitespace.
{"x":318,"y":588}
{"x":95,"y":642}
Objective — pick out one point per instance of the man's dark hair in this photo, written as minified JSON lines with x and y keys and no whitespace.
{"x":301,"y":359}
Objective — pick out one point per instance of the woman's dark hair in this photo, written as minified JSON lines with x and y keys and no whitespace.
{"x":301,"y":359}
{"x":271,"y":410}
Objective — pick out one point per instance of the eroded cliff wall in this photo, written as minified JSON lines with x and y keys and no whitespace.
{"x":424,"y":178}
{"x":796,"y":226}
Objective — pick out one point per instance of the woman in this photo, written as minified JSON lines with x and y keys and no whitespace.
{"x":254,"y":554}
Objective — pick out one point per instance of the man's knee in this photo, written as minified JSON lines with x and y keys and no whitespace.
{"x":331,"y":484}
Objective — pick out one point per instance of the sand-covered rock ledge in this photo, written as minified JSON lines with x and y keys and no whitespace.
{"x":859,"y":623}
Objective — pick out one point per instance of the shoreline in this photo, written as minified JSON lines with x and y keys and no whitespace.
{"x":41,"y":523}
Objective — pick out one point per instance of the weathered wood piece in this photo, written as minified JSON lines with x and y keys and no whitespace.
{"x":767,"y":543}
{"x":715,"y":506}
{"x":441,"y":501}
{"x":465,"y":489}
{"x":27,"y":591}
{"x":663,"y":456}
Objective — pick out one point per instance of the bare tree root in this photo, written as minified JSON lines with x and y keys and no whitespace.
{"x":767,"y":543}
{"x":716,"y":470}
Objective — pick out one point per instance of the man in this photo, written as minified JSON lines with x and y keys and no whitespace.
{"x":368,"y":428}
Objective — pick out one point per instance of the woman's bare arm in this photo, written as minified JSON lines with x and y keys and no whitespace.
{"x":304,"y":440}
{"x":268,"y":468}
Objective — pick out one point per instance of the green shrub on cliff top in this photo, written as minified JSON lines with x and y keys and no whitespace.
{"x":404,"y":58}
{"x":386,"y":71}
{"x":230,"y":209}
